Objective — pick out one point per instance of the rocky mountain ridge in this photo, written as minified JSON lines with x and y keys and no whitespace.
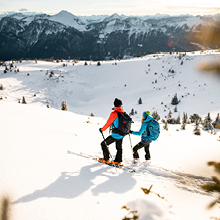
{"x":65,"y":35}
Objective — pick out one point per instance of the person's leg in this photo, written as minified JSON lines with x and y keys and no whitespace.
{"x":136,"y":148}
{"x":118,"y":157}
{"x":147,"y":151}
{"x":109,"y":140}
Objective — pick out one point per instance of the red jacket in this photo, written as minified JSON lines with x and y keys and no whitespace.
{"x":112,"y":117}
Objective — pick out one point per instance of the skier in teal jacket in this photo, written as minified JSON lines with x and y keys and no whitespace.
{"x":145,"y":139}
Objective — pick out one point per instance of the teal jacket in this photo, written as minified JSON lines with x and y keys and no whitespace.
{"x":143,"y":130}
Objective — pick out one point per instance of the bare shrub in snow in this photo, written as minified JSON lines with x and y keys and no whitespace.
{"x":213,"y":187}
{"x":51,"y":73}
{"x":197,"y":130}
{"x":5,"y":208}
{"x":165,"y":126}
{"x":183,"y":126}
{"x":64,"y":106}
{"x":158,"y":207}
{"x":155,"y":115}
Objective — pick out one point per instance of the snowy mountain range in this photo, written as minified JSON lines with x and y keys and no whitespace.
{"x":65,"y":35}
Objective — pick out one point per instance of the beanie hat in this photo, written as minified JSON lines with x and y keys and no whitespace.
{"x":145,"y":114}
{"x":117,"y":102}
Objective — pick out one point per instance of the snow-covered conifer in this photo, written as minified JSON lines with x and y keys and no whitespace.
{"x":207,"y":123}
{"x":132,"y":112}
{"x":23,"y":100}
{"x":195,"y":118}
{"x":216,"y":123}
{"x":175,"y":100}
{"x":140,"y":101}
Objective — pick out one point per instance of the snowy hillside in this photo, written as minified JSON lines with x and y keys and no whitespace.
{"x":91,"y":89}
{"x":44,"y":182}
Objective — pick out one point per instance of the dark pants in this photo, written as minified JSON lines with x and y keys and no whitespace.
{"x":139,"y":146}
{"x":118,"y":143}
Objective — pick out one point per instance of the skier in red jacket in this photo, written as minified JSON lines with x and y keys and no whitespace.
{"x":114,"y":137}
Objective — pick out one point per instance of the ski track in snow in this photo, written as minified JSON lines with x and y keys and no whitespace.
{"x":184,"y":181}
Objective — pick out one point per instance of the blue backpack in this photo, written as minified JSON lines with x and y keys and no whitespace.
{"x":153,"y":130}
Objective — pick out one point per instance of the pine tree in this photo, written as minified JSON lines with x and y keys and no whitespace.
{"x":169,"y":115}
{"x":132,"y":112}
{"x":195,"y":118}
{"x":216,"y":123}
{"x":178,"y":120}
{"x":175,"y":100}
{"x":185,"y":118}
{"x":23,"y":100}
{"x":207,"y":123}
{"x":140,"y":101}
{"x":170,"y":120}
{"x":175,"y":109}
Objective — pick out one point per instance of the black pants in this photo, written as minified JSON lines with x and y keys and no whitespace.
{"x":146,"y":148}
{"x":118,"y":143}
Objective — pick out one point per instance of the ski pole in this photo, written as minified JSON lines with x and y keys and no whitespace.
{"x":130,"y":141}
{"x":131,"y":144}
{"x":109,"y":151}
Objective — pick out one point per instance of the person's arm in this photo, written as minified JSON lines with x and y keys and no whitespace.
{"x":140,"y":132}
{"x":110,"y":120}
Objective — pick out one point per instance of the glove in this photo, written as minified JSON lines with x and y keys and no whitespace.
{"x":100,"y":130}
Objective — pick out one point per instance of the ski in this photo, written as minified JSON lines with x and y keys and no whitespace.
{"x":128,"y":169}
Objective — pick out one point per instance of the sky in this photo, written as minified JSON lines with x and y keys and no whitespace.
{"x":100,"y":7}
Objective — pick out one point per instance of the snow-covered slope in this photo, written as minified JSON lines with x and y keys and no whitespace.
{"x":44,"y":182}
{"x":154,"y":78}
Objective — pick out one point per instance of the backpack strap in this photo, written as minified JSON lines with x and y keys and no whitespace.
{"x":114,"y":129}
{"x":147,"y":129}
